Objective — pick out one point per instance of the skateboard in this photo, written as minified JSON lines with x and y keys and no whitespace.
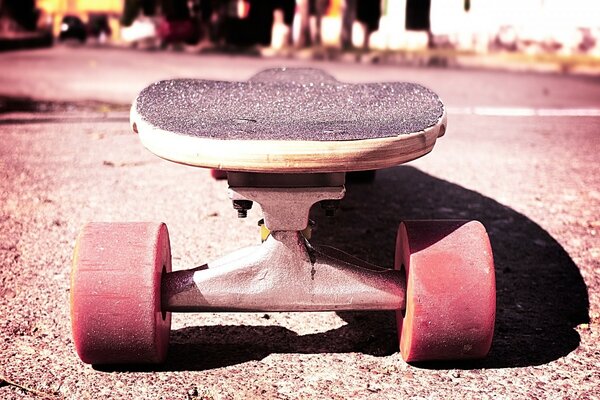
{"x":287,"y":139}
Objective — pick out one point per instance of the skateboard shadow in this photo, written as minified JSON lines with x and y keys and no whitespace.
{"x":208,"y":347}
{"x":541,"y":295}
{"x":203,"y":348}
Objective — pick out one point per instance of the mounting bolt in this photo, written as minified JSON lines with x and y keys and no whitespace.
{"x":330,"y":206}
{"x":242,"y":207}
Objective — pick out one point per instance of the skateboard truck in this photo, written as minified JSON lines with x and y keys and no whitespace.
{"x":442,"y":286}
{"x":295,"y":153}
{"x":285,"y":273}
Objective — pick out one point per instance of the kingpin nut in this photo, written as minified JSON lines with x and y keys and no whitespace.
{"x":242,"y":207}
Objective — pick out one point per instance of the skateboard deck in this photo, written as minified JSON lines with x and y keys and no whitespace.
{"x":288,"y":121}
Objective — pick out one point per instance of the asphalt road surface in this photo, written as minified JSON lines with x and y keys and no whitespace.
{"x":520,"y":154}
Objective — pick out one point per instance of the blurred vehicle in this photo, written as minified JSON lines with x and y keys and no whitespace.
{"x":178,"y":31}
{"x":72,"y":27}
{"x":98,"y":27}
{"x":141,"y":31}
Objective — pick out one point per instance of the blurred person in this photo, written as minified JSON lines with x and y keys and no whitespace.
{"x":348,"y":18}
{"x":202,"y":11}
{"x":248,"y":23}
{"x":367,"y":13}
{"x":175,"y":10}
{"x":261,"y":20}
{"x":308,"y":9}
{"x":318,"y":8}
{"x":217,"y":27}
{"x":288,"y":9}
{"x":177,"y":26}
{"x":418,"y":17}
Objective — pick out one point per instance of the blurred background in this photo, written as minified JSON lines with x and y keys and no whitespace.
{"x":521,"y":155}
{"x":430,"y":31}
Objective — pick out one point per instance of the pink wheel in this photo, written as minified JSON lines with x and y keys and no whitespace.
{"x":450,"y":290}
{"x":218,"y":174}
{"x":115,"y":293}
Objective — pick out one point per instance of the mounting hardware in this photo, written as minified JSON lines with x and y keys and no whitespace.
{"x":242,"y":207}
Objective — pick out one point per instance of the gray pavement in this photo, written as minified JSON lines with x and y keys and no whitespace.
{"x":511,"y":158}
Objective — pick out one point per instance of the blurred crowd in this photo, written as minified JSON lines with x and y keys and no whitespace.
{"x":565,"y":27}
{"x":281,"y":23}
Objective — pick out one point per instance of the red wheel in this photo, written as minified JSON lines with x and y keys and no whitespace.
{"x":450,"y":290}
{"x":218,"y":174}
{"x":115,"y":293}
